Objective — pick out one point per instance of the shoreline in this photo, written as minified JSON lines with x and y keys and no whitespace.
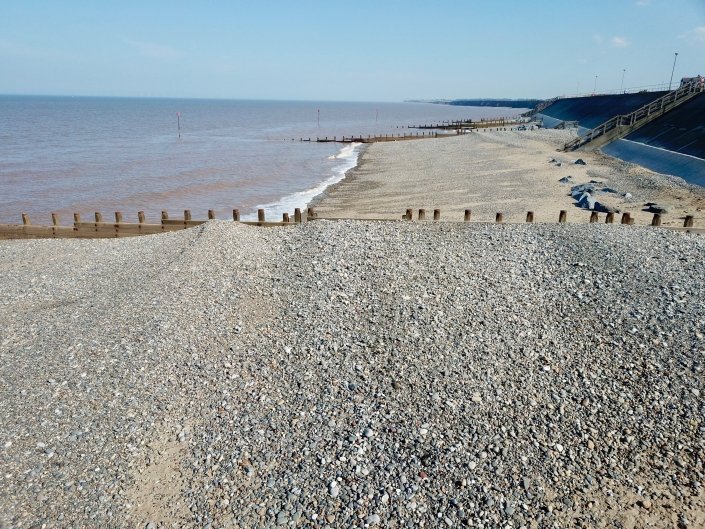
{"x":503,"y":171}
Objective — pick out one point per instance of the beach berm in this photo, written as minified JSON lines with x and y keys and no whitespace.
{"x":354,"y":374}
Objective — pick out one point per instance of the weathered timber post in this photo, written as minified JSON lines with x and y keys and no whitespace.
{"x":76,"y":218}
{"x":285,"y":217}
{"x":25,"y":219}
{"x":140,"y":217}
{"x":409,"y":214}
{"x":562,"y":216}
{"x":165,"y":216}
{"x":436,"y":214}
{"x":297,"y":215}
{"x":211,"y":214}
{"x":422,"y":214}
{"x":98,"y":216}
{"x":260,"y":215}
{"x":236,"y":215}
{"x":311,"y":214}
{"x":118,"y":217}
{"x":609,"y":219}
{"x":54,"y":219}
{"x":625,"y":217}
{"x":468,"y":214}
{"x":187,"y":214}
{"x":499,"y":218}
{"x":688,"y":223}
{"x":529,"y":216}
{"x":656,"y":221}
{"x":594,"y":217}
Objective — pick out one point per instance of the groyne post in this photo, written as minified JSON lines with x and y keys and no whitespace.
{"x":468,"y":214}
{"x":236,"y":215}
{"x":499,"y":218}
{"x":626,"y":217}
{"x":76,"y":218}
{"x":408,"y":215}
{"x":609,"y":219}
{"x":187,"y":214}
{"x":25,"y":219}
{"x":594,"y":217}
{"x":98,"y":216}
{"x":285,"y":217}
{"x":422,"y":214}
{"x":54,"y":219}
{"x":260,"y":215}
{"x":436,"y":214}
{"x":118,"y":217}
{"x":656,"y":221}
{"x":165,"y":216}
{"x":140,"y":217}
{"x":211,"y":214}
{"x":297,"y":215}
{"x":562,"y":216}
{"x":688,"y":223}
{"x":530,"y":216}
{"x":311,"y":214}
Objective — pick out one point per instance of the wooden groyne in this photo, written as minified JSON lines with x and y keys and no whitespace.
{"x":381,"y":137}
{"x":471,"y":124}
{"x":100,"y":229}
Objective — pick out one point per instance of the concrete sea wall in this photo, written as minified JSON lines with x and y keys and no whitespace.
{"x":672,"y":144}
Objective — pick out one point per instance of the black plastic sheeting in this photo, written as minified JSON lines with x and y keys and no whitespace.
{"x":592,"y":111}
{"x":681,"y":130}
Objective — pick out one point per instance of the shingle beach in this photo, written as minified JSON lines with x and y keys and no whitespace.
{"x":354,"y":374}
{"x":507,"y":171}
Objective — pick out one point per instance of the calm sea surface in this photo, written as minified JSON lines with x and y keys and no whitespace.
{"x":81,"y":154}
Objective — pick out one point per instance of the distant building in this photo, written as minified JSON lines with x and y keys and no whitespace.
{"x":699,"y":79}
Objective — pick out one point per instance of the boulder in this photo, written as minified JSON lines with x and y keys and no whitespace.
{"x":579,"y":161}
{"x":565,"y":179}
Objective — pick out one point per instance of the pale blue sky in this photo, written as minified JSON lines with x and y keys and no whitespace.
{"x":357,"y":51}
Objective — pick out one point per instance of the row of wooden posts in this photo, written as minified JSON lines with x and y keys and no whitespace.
{"x":119,"y":228}
{"x":100,"y":228}
{"x":562,"y":217}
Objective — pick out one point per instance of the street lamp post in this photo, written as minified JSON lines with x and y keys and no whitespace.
{"x":621,"y":87}
{"x":675,"y":58}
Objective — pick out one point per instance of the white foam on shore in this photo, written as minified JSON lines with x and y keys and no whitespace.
{"x":348,"y":156}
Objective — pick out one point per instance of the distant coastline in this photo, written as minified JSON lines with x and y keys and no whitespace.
{"x":500,"y":103}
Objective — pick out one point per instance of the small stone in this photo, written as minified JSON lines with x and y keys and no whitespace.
{"x":372,"y":519}
{"x":282,"y":518}
{"x":646,"y":504}
{"x":367,"y":432}
{"x":590,"y":444}
{"x":559,"y":447}
{"x":476,"y":397}
{"x":472,"y":465}
{"x":150,"y":525}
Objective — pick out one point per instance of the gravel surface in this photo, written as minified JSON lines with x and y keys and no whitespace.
{"x":354,"y":374}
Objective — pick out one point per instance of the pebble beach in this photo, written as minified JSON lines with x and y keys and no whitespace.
{"x":354,"y":374}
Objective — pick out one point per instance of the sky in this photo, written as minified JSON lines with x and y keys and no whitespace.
{"x":367,"y":50}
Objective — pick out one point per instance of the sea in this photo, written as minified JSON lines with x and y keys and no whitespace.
{"x":86,"y":154}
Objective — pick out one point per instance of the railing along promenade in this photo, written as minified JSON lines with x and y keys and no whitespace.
{"x":622,"y":125}
{"x":100,"y":229}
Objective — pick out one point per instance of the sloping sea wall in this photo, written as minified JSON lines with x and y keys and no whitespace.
{"x":672,"y":144}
